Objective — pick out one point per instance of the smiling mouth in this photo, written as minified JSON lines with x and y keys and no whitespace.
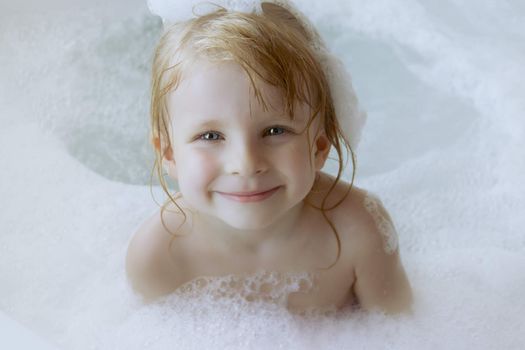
{"x":249,"y":196}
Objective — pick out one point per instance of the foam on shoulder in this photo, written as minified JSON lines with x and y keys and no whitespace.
{"x":384,"y":225}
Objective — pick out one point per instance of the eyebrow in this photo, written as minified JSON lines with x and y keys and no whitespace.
{"x":207,"y":124}
{"x":212,"y":123}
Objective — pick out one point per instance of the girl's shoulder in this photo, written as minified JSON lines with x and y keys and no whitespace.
{"x":338,"y":198}
{"x":358,"y":214}
{"x":153,"y":265}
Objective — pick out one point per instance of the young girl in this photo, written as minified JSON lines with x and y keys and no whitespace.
{"x":246,"y":105}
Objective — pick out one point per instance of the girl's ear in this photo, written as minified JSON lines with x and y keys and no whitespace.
{"x":322,"y":149}
{"x":170,"y":167}
{"x":168,"y":162}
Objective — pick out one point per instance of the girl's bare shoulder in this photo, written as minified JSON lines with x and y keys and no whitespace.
{"x":340,"y":200}
{"x":155,"y":267}
{"x":357,"y":213}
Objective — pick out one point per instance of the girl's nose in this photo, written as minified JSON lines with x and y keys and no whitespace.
{"x":246,"y":159}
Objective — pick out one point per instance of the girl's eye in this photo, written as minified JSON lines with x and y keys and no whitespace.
{"x":215,"y":136}
{"x":275,"y":130}
{"x":210,"y":136}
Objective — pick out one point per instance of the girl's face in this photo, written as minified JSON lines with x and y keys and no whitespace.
{"x":225,"y":147}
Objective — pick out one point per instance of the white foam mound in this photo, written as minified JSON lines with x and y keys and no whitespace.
{"x":443,"y":149}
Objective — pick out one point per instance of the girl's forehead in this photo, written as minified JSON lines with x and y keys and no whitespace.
{"x":228,"y":74}
{"x":207,"y":88}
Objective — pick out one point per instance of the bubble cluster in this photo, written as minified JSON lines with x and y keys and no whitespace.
{"x":267,"y":286}
{"x":385,"y":226}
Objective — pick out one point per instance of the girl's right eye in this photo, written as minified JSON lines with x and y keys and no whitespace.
{"x":209,"y":136}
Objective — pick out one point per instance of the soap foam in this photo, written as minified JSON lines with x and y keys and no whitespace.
{"x":372,"y":205}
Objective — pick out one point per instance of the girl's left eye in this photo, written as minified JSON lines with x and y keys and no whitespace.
{"x":275,"y":130}
{"x":210,"y":136}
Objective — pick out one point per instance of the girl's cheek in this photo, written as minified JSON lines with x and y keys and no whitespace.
{"x":200,"y":167}
{"x":299,"y":152}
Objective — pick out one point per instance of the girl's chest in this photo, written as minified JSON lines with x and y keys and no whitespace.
{"x":298,"y":291}
{"x":298,"y":278}
{"x":330,"y":289}
{"x":319,"y":279}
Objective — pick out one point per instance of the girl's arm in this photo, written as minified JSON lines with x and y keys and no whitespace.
{"x":381,"y":282}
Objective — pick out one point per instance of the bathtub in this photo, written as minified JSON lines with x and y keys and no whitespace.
{"x":442,"y":147}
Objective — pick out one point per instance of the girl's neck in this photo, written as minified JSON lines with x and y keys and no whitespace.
{"x":249,"y":240}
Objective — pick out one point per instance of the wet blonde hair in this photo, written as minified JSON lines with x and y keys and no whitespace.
{"x":272,"y":48}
